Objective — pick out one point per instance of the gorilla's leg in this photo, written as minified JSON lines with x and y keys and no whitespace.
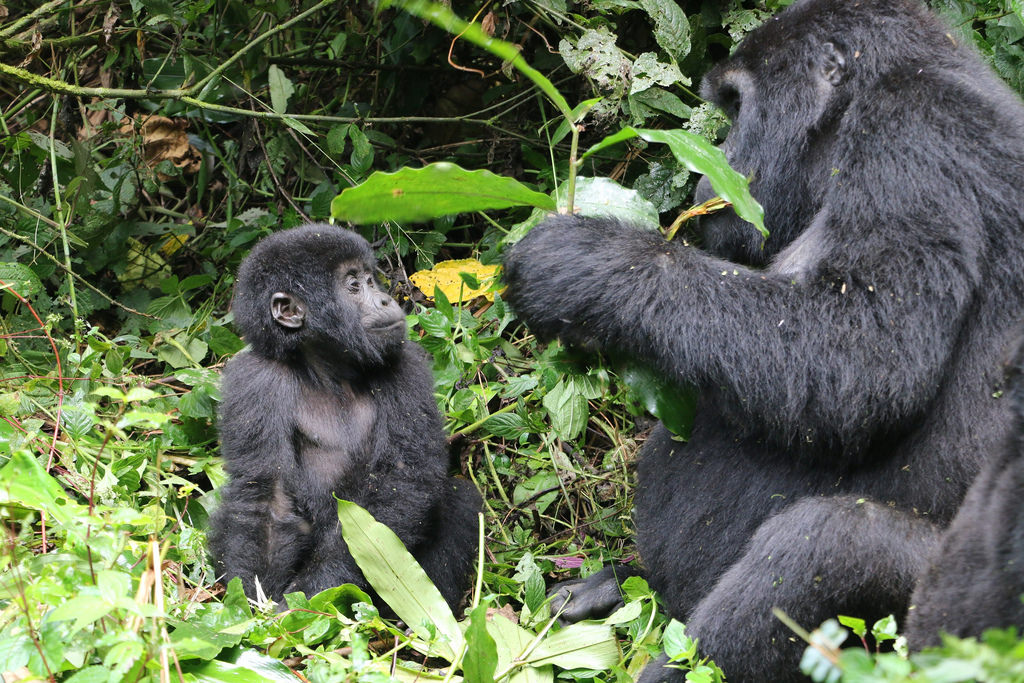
{"x":817,"y":558}
{"x":448,"y":554}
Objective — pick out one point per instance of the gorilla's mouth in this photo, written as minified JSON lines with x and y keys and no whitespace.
{"x":386,"y":326}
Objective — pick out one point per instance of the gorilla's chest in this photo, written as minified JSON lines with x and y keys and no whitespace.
{"x":333,"y":434}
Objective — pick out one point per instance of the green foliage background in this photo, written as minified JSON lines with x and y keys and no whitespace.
{"x":119,"y":240}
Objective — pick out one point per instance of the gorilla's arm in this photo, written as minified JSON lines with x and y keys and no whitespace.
{"x":853,"y":324}
{"x":833,"y":350}
{"x":256,"y":531}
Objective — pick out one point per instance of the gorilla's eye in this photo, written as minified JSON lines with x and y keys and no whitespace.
{"x":729,"y":99}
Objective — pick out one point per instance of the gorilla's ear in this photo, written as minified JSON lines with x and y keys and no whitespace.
{"x":833,"y":64}
{"x":287,"y":310}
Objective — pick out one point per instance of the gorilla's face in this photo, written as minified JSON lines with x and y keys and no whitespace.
{"x":783,"y":105}
{"x":310,"y":294}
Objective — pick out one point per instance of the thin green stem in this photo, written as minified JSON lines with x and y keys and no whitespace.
{"x":62,"y":219}
{"x":570,"y":194}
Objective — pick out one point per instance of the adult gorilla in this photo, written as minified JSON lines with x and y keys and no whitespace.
{"x":847,"y":366}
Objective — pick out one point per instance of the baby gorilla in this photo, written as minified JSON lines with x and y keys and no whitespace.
{"x":330,"y":401}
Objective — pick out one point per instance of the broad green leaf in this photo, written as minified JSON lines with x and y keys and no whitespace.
{"x":439,"y":189}
{"x":595,"y":197}
{"x":595,"y":55}
{"x":579,"y":646}
{"x":398,"y":578}
{"x":140,"y":394}
{"x":605,"y":197}
{"x":19,"y":278}
{"x":700,"y":156}
{"x":678,"y":646}
{"x":625,"y":614}
{"x":511,"y":641}
{"x":671,"y":28}
{"x":250,"y":667}
{"x":84,"y":609}
{"x":642,"y":104}
{"x":567,"y":409}
{"x":506,"y":425}
{"x":109,"y":392}
{"x":670,"y":403}
{"x":481,"y":659}
{"x":23,"y":481}
{"x":195,"y":641}
{"x":362,"y":150}
{"x":281,"y":89}
{"x":649,"y":72}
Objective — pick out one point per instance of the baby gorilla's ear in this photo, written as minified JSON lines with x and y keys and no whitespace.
{"x":287,"y":310}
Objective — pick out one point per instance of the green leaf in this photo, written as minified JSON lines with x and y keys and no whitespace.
{"x":281,"y":89}
{"x":23,"y":481}
{"x":481,"y":659}
{"x":596,"y":56}
{"x":336,"y":137}
{"x":506,"y":425}
{"x":511,"y":641}
{"x":858,"y":626}
{"x":84,"y":609}
{"x":678,"y":646}
{"x":700,"y":156}
{"x":670,"y":403}
{"x":398,"y":578}
{"x":439,"y":189}
{"x":605,"y":197}
{"x":20,"y":279}
{"x":567,"y":409}
{"x":649,"y":72}
{"x":884,"y":629}
{"x":250,"y":667}
{"x":595,"y":197}
{"x":625,"y":614}
{"x":295,"y":124}
{"x":578,"y":112}
{"x":362,"y":151}
{"x":579,"y":646}
{"x":195,"y":641}
{"x":671,"y":28}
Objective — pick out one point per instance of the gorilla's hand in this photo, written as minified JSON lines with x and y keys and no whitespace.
{"x":570,"y":278}
{"x":591,"y":598}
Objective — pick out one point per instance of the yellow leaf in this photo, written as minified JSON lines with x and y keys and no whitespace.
{"x":445,"y":275}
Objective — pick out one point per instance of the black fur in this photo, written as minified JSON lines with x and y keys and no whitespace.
{"x":976,"y":578}
{"x":847,"y":365}
{"x":341,"y":405}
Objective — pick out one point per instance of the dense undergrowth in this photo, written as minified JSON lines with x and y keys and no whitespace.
{"x":148,"y":144}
